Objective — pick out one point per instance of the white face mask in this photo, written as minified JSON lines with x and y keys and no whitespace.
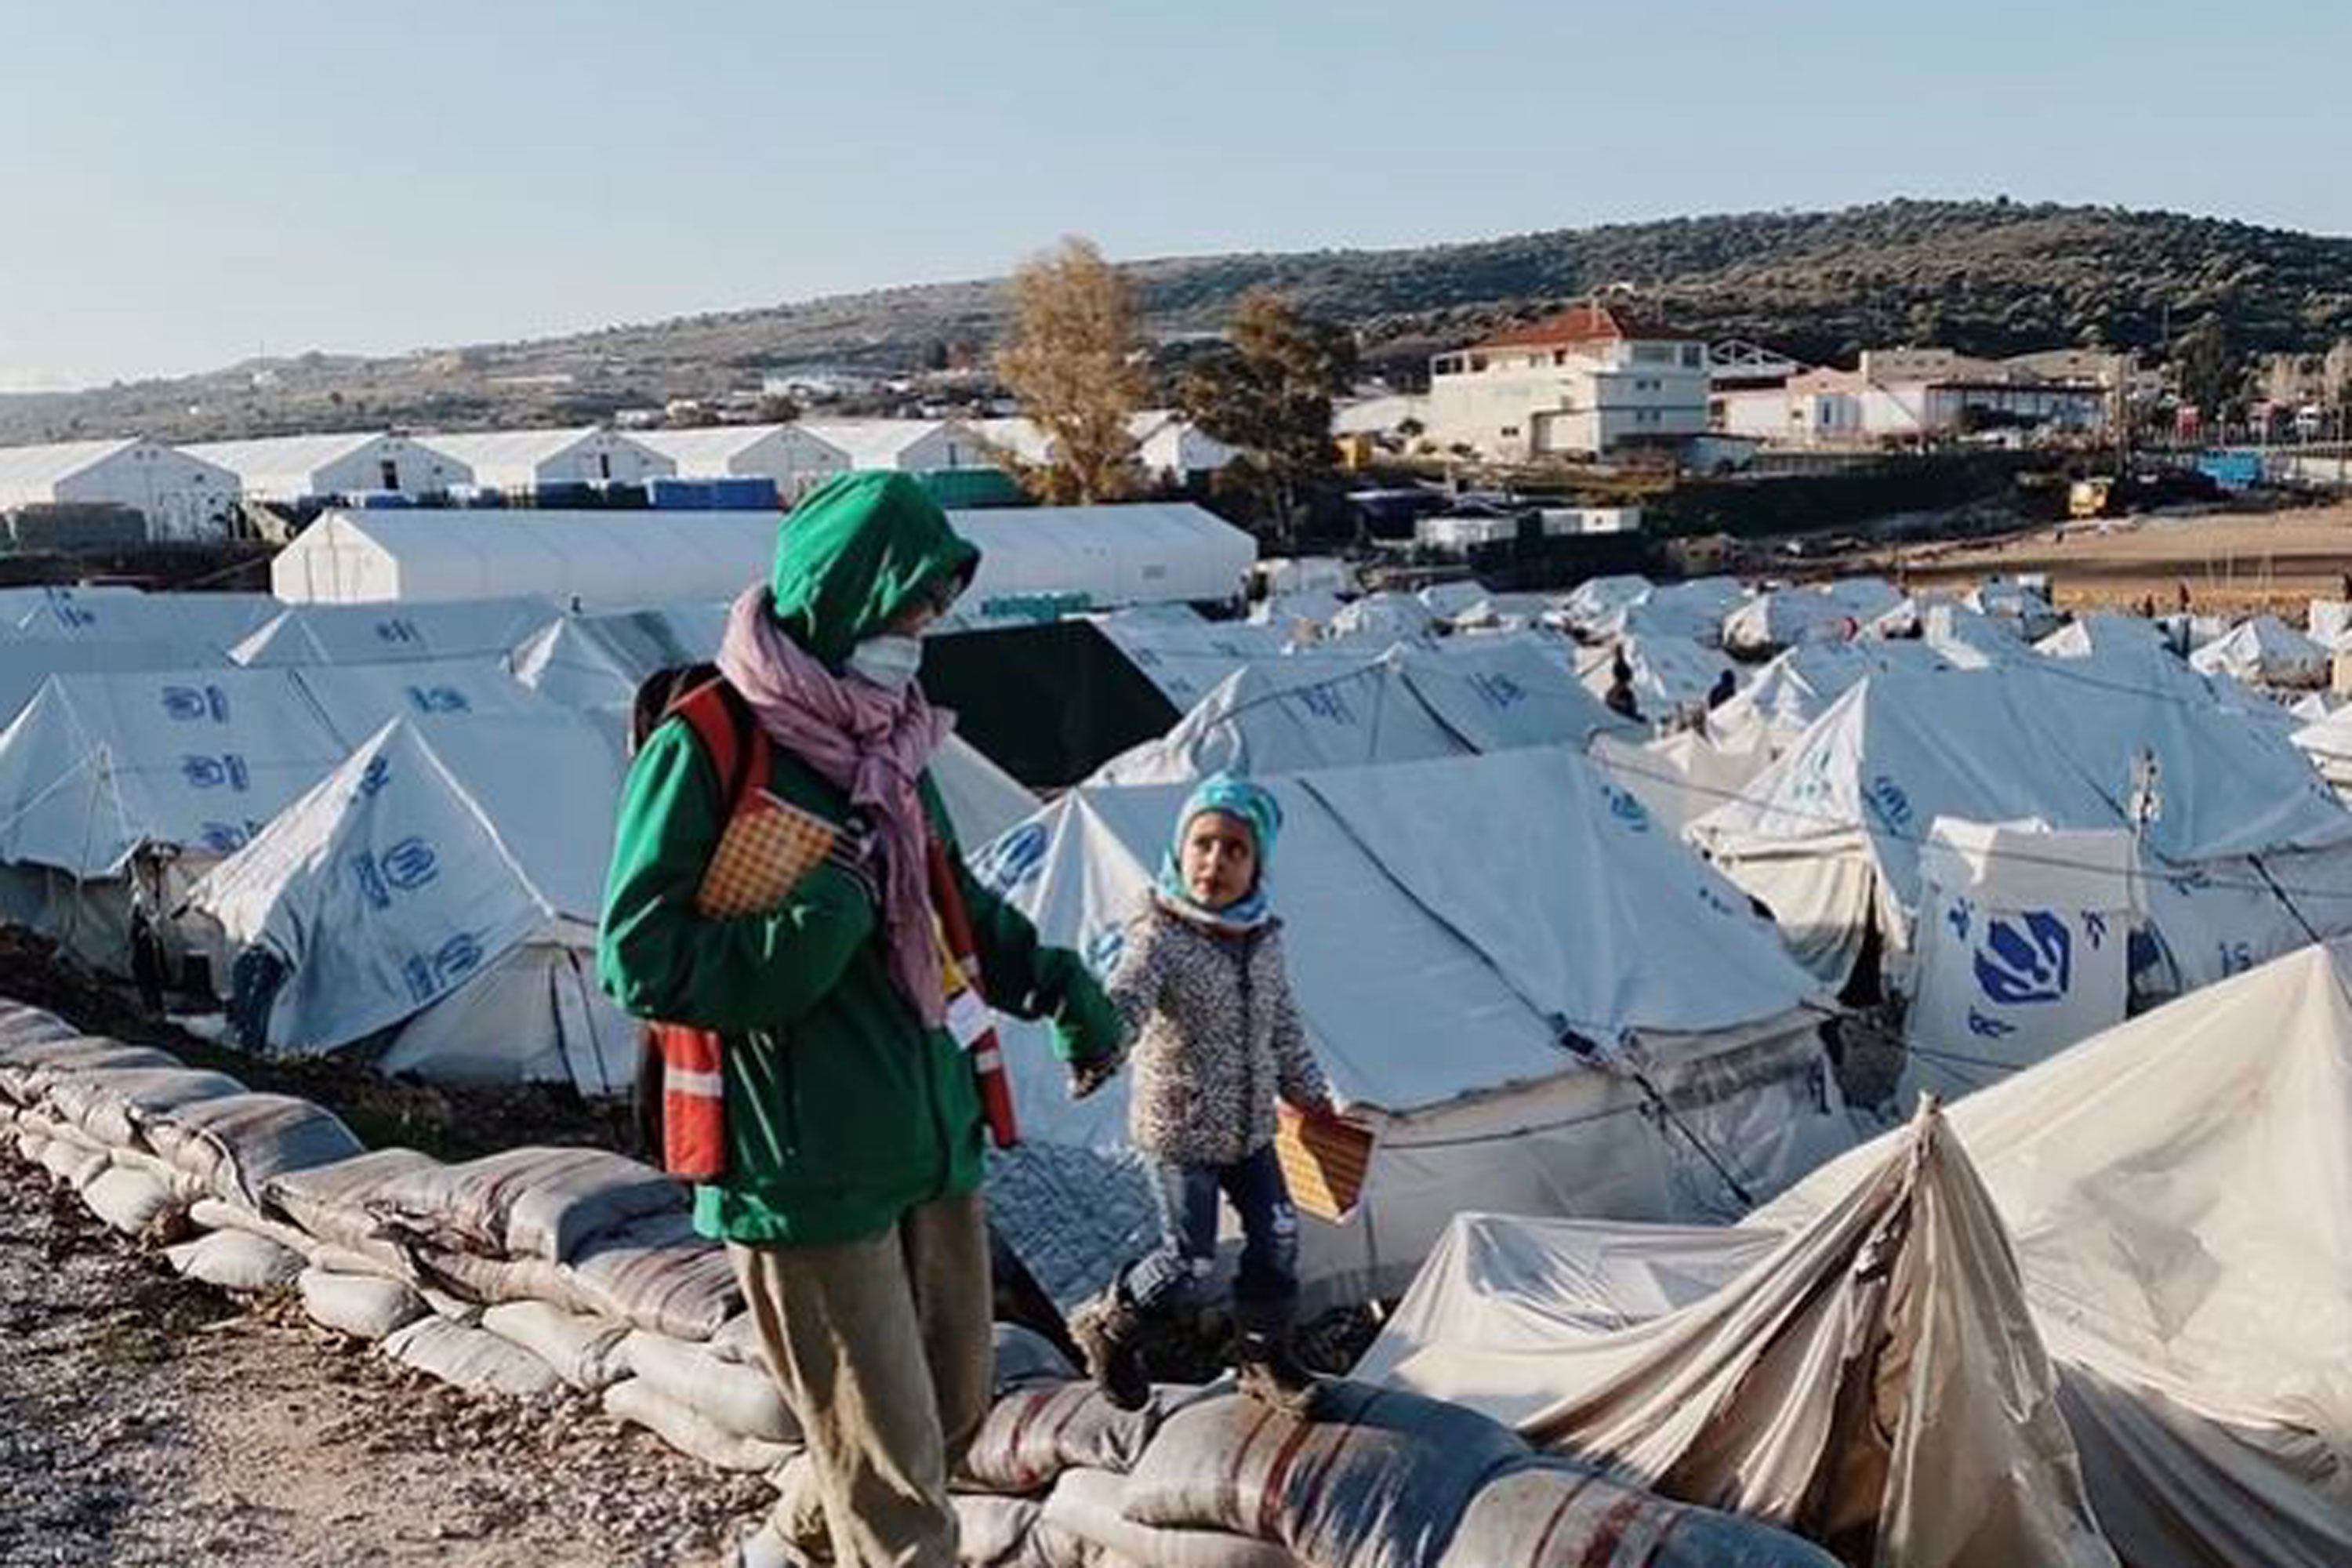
{"x":888,"y":662}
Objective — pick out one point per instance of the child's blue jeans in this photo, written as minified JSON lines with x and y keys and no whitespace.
{"x":1174,"y":1278}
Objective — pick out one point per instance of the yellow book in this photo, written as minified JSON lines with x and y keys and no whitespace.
{"x":768,"y":845}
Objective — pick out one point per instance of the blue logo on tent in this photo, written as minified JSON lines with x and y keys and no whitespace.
{"x":370,"y":878}
{"x":398,"y":631}
{"x":184,"y":703}
{"x":1104,"y":948}
{"x":1326,"y":703}
{"x":439,"y":700}
{"x":1988,"y":1028}
{"x":1627,"y":809}
{"x":210,"y":772}
{"x":1010,"y":862}
{"x":227,"y":837}
{"x":458,"y":957}
{"x":374,"y":777}
{"x":1893,"y":807}
{"x":1499,"y":690}
{"x":410,"y":864}
{"x":2019,"y":966}
{"x":417,"y":971}
{"x":1959,"y":917}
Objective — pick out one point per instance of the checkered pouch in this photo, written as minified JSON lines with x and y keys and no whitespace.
{"x":769,"y":845}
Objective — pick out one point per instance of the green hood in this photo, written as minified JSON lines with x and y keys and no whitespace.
{"x":855,"y":551}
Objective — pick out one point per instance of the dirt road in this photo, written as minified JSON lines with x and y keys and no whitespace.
{"x":145,"y":1420}
{"x":2232,"y":562}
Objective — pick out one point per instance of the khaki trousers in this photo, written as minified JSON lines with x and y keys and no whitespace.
{"x":885,"y":1351}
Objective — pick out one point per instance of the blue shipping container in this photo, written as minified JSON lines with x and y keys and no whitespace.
{"x":2231,"y":470}
{"x":678,"y":495}
{"x":745,"y":492}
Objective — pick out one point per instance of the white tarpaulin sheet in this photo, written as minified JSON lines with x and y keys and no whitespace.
{"x":1517,"y":907}
{"x":1874,"y":1381}
{"x":1791,"y":693}
{"x":2177,"y":1189}
{"x":1589,"y":609}
{"x":2020,"y":951}
{"x":1788,"y":617}
{"x":1469,"y":695}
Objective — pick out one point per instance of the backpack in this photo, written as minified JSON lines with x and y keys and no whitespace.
{"x":679,"y":1099}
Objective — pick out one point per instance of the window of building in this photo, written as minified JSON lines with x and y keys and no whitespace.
{"x":1511,"y":429}
{"x":1654,"y":354}
{"x":1692,"y":353}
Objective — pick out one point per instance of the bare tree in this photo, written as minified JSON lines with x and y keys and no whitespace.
{"x":1074,"y":360}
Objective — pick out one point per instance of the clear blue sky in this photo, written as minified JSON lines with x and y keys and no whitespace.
{"x":184,"y":182}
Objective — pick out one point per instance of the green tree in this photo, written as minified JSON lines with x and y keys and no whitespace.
{"x":1076,"y":362}
{"x":1268,"y":396}
{"x":2207,"y":370}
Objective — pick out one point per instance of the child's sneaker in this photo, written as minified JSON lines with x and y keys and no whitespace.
{"x":1106,"y":1330}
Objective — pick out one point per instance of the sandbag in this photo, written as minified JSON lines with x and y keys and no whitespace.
{"x":1085,"y":1525}
{"x":71,"y":1163}
{"x":27,"y":1070}
{"x":471,"y":1359}
{"x":1553,"y":1514}
{"x":526,"y":1203}
{"x":212,"y":1213}
{"x":108,"y":1103}
{"x":1026,"y":1356}
{"x":733,"y":1397}
{"x":451,"y":1309}
{"x":738,"y":1340}
{"x":1000,"y":1532}
{"x":1379,"y":1479}
{"x":635,"y":1400}
{"x":656,"y":1273}
{"x":236,"y":1260}
{"x":491,"y":1281}
{"x":583,"y":1349}
{"x":21,"y":1025}
{"x":1035,"y":1433}
{"x":361,"y":1305}
{"x":132,"y":1201}
{"x":236,"y":1144}
{"x":329,"y":1203}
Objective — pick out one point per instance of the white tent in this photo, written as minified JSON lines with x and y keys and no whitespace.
{"x":1391,"y":617}
{"x":216,"y":622}
{"x":181,"y":496}
{"x":605,"y":560}
{"x":458,"y":868}
{"x":2265,"y":651}
{"x":2328,"y":744}
{"x":378,"y":633}
{"x":1968,"y":639}
{"x":305,"y":467}
{"x":1788,"y":617}
{"x":1591,"y":605}
{"x":1873,"y":1380}
{"x":1683,"y":776}
{"x":1411,"y":703}
{"x":910,"y":445}
{"x":787,"y":454}
{"x":2100,"y":635}
{"x":25,"y":664}
{"x":1060,"y":558}
{"x":2241,"y":862}
{"x":1671,"y":675}
{"x":528,"y":459}
{"x":1578,"y":967}
{"x":1696,"y":610}
{"x":1788,"y":695}
{"x":1187,"y":657}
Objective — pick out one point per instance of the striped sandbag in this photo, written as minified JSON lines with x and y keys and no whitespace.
{"x":1552,"y":1514}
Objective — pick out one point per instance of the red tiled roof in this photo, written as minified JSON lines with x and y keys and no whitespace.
{"x":1589,"y":323}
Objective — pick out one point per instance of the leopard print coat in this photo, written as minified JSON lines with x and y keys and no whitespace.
{"x":1216,"y":1038}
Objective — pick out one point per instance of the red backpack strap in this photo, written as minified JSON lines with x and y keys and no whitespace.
{"x":723,"y":723}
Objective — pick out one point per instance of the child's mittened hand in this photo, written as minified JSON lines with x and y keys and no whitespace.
{"x":1088,"y":1076}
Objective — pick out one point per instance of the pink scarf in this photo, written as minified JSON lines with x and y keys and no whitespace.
{"x":873,"y":744}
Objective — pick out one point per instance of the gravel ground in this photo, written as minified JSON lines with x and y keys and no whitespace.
{"x":145,"y":1419}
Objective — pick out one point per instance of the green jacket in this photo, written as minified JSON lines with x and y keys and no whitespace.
{"x":843,"y":1111}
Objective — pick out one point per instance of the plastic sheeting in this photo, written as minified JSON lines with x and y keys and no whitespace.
{"x":2265,"y":651}
{"x":1788,"y":617}
{"x":1874,"y":1382}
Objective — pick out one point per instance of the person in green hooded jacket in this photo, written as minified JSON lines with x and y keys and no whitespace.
{"x":854,"y":1128}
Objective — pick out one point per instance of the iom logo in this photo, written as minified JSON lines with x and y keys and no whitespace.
{"x":1326,"y":703}
{"x":1014,"y":861}
{"x":211,"y":773}
{"x":1499,"y":690}
{"x":374,"y":777}
{"x":2025,"y":960}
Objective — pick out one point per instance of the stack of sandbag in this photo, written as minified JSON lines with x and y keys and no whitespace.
{"x":1382,"y":1479}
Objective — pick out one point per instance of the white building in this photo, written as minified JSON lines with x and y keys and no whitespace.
{"x":314,"y":467}
{"x":1897,"y":396}
{"x":787,"y":454}
{"x":910,"y":445}
{"x":530,"y":459}
{"x":182,"y":497}
{"x":1590,"y":382}
{"x":1171,"y":447}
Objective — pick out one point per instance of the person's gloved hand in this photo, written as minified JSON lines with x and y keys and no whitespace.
{"x":857,"y":853}
{"x":1319,"y":1109}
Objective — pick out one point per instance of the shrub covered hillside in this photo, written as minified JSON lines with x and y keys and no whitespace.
{"x":1985,"y":276}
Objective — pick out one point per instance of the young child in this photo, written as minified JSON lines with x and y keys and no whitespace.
{"x":1201,"y":989}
